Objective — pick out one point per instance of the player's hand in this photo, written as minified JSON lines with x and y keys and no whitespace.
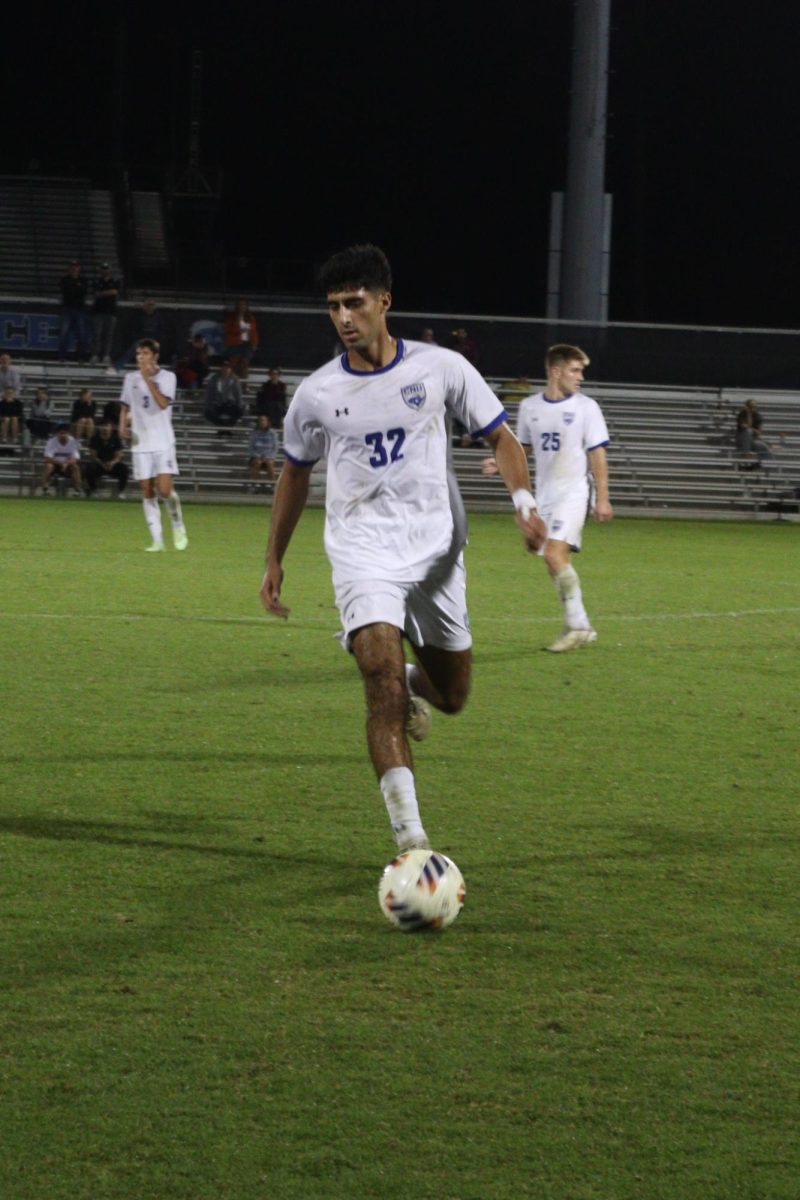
{"x":271,"y":592}
{"x":489,"y":466}
{"x":602,"y":511}
{"x":534,"y":530}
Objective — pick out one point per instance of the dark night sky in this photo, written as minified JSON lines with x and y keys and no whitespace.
{"x":440,"y":135}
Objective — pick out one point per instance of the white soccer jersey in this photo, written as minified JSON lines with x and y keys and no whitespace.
{"x":62,"y":451}
{"x":393,"y":508}
{"x":561,"y":433}
{"x":151,"y":425}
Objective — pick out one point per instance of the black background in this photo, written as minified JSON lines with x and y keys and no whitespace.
{"x":439,"y":132}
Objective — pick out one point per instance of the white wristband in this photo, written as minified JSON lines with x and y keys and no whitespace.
{"x":523,"y":502}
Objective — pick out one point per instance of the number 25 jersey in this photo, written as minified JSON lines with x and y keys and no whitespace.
{"x":561,"y":432}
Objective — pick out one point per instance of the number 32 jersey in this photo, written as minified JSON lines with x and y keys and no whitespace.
{"x":561,"y":432}
{"x":392,"y":507}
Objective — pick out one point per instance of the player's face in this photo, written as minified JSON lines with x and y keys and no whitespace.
{"x":568,"y":377}
{"x":146,"y":360}
{"x":359,"y":316}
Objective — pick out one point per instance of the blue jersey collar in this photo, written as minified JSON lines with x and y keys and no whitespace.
{"x":381,"y":370}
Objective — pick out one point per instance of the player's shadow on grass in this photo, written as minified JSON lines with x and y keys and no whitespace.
{"x":292,"y":758}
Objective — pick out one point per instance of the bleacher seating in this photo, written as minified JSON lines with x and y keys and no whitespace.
{"x":44,"y":223}
{"x":672,"y":451}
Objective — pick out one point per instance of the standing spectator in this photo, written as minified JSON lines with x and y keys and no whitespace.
{"x":223,"y":404}
{"x":40,"y":418}
{"x":427,"y":336}
{"x":271,"y":398}
{"x":62,"y":455}
{"x":105,"y":450}
{"x":10,"y":416}
{"x":73,"y":313}
{"x":106,"y":294}
{"x":241,"y":338}
{"x":9,"y":375}
{"x":261,"y":451}
{"x":83,"y":414}
{"x":150,"y":328}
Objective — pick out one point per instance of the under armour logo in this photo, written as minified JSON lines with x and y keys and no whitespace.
{"x":343,"y":412}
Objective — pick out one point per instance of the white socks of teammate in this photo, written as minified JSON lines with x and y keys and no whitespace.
{"x":400,"y":798}
{"x":568,"y":586}
{"x":173,"y":507}
{"x":152,"y":514}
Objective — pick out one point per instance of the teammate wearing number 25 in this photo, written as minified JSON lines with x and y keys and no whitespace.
{"x":395,"y":525}
{"x":567,"y":433}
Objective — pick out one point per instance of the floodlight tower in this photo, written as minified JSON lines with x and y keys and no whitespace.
{"x":580,"y":238}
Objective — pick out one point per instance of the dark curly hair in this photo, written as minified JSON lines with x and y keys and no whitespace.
{"x":356,"y":267}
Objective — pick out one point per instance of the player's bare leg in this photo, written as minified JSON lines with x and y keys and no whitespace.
{"x":442,"y":677}
{"x":378,"y":650}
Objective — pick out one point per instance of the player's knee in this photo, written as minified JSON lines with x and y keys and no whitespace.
{"x":454,"y":697}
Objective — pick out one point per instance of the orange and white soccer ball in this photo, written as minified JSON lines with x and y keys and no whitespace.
{"x":421,"y":889}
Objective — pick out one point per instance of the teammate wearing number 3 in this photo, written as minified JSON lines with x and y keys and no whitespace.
{"x":568,"y":435}
{"x":395,"y":525}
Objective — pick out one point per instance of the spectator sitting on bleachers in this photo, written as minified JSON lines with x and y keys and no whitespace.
{"x":192,"y":367}
{"x":10,"y":416}
{"x":261,"y":451}
{"x":223,"y":404}
{"x":105,"y":449}
{"x":111,"y":413}
{"x":271,"y":399}
{"x":749,"y":442}
{"x":83,"y":414}
{"x":9,"y":375}
{"x":40,"y":417}
{"x":62,"y":456}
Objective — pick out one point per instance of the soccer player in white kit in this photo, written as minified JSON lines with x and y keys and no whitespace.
{"x":395,"y":524}
{"x":568,"y":435}
{"x":147,"y":397}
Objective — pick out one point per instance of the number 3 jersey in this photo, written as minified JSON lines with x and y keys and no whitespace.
{"x":561,"y":432}
{"x":393,"y":510}
{"x":151,"y":425}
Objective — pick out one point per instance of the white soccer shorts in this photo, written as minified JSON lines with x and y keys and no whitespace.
{"x":429,"y":614}
{"x":147,"y":464}
{"x":565,"y":520}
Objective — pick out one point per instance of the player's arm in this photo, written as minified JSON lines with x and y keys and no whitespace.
{"x":512,"y":463}
{"x":598,"y":465}
{"x":291,"y":494}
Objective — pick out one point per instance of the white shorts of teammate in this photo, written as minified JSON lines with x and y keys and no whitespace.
{"x":429,"y":614}
{"x":148,"y":464}
{"x":565,"y":520}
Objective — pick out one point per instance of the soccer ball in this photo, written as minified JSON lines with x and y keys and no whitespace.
{"x":421,"y":889}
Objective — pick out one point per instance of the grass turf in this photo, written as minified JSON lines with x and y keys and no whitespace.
{"x":201,"y":999}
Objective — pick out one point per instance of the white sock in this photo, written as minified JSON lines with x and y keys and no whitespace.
{"x":152,"y":514}
{"x":400,"y":798}
{"x":173,"y":507}
{"x":568,"y":586}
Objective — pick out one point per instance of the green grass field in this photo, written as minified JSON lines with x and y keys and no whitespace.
{"x":200,"y":997}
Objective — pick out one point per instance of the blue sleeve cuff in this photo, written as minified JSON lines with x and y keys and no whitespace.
{"x":492,"y":425}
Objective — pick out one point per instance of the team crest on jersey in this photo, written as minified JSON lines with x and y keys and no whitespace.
{"x":414,"y":395}
{"x":569,"y":418}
